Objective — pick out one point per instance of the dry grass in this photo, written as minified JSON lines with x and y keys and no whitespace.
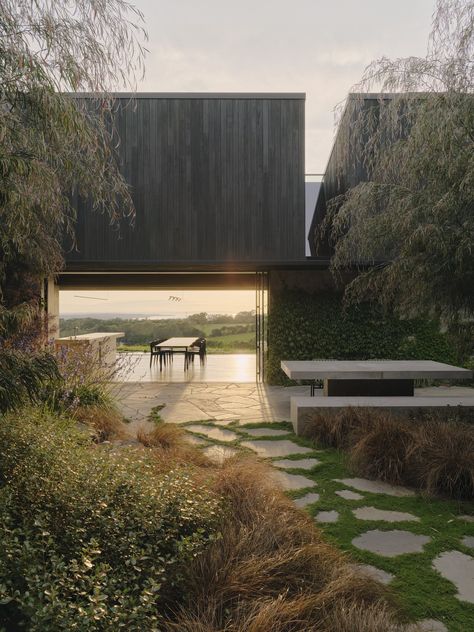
{"x":106,"y":422}
{"x":341,"y":430}
{"x":383,"y":452}
{"x":271,"y":571}
{"x":163,"y":435}
{"x":428,"y":453}
{"x":170,"y":448}
{"x":443,"y":458}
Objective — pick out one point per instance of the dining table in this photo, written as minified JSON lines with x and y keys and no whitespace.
{"x":177,"y":344}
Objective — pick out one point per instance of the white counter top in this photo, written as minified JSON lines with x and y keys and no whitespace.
{"x":95,"y":337}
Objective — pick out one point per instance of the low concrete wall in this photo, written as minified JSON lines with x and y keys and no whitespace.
{"x":302,"y":408}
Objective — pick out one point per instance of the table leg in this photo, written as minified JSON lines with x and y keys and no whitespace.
{"x":368,"y":388}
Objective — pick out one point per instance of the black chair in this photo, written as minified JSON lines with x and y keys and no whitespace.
{"x":161,"y":353}
{"x":198,"y":349}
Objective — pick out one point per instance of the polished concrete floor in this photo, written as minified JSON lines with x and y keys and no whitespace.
{"x":236,"y":368}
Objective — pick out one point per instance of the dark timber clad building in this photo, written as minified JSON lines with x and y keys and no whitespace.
{"x":218,"y":186}
{"x":217,"y":182}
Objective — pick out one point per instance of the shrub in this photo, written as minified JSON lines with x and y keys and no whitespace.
{"x":341,"y":430}
{"x":23,"y":376}
{"x":91,"y":539}
{"x":383,"y":451}
{"x":170,"y":448}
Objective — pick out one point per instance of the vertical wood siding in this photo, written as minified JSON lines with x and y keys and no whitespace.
{"x":213,"y":180}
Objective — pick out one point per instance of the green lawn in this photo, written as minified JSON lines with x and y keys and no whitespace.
{"x":419,"y":589}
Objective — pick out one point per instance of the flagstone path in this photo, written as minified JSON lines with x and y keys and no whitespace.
{"x":368,"y":513}
{"x":427,"y":559}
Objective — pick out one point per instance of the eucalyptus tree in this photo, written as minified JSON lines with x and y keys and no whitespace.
{"x":408,"y":227}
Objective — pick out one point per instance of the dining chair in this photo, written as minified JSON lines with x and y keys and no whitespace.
{"x":161,"y":353}
{"x":198,"y":349}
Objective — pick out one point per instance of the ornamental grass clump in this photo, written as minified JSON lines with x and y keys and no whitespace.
{"x":92,"y":539}
{"x":425,"y":452}
{"x":383,"y":451}
{"x":169,"y":448}
{"x":442,"y":458}
{"x":271,"y":570}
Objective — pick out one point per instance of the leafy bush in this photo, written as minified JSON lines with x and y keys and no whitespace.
{"x":91,"y":539}
{"x":310,"y":326}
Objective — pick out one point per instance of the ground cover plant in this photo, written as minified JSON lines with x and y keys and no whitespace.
{"x":261,"y":573}
{"x":92,"y":539}
{"x":431,"y":454}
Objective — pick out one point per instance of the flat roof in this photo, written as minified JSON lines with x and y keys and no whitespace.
{"x":193,"y":95}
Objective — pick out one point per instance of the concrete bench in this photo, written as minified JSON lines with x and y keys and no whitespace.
{"x":302,"y":407}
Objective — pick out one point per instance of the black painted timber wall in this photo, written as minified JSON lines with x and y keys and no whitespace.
{"x":217,"y":180}
{"x":345,"y":168}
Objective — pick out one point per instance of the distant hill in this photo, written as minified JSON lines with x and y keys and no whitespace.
{"x":224,"y":333}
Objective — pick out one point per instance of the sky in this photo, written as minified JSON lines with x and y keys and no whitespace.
{"x":319,"y":47}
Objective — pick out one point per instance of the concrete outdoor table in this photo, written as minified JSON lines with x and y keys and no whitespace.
{"x":371,"y":377}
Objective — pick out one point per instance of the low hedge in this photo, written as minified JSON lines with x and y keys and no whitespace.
{"x":91,"y":540}
{"x":304,"y":326}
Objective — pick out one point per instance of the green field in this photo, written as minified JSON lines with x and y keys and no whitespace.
{"x":217,"y":344}
{"x":224,"y":333}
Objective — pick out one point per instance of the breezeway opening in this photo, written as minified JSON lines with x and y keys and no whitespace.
{"x":227,"y":318}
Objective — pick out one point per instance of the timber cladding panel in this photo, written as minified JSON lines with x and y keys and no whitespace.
{"x":214,"y":179}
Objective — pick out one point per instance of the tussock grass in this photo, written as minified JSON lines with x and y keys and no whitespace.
{"x":443,"y":458}
{"x":105,"y":421}
{"x":163,"y":435}
{"x":427,"y":453}
{"x":383,"y":452}
{"x":170,"y":448}
{"x":271,"y":571}
{"x":344,"y":429}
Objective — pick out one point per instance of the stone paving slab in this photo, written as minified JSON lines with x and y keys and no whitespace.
{"x":468,"y":540}
{"x":391,"y":543}
{"x":282,"y":447}
{"x":301,"y":464}
{"x":291,"y":481}
{"x":466,"y":518}
{"x":374,"y":573}
{"x":195,"y":440}
{"x":459,"y":569}
{"x":307,"y":499}
{"x":219,"y":434}
{"x":348,"y":495}
{"x":266,"y":432}
{"x":327,"y":516}
{"x":376,"y":487}
{"x":371,"y":513}
{"x":427,"y":625}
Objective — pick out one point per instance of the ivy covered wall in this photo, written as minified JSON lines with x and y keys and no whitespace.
{"x":305,"y":326}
